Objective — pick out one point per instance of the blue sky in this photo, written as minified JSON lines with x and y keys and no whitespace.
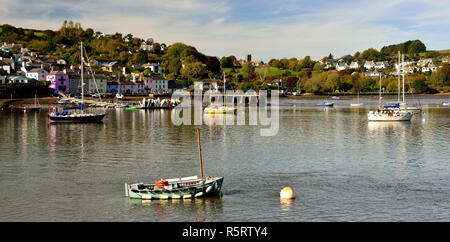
{"x":265,"y":29}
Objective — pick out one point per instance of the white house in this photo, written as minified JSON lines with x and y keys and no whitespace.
{"x":154,"y":67}
{"x":340,"y":66}
{"x":425,"y":61}
{"x":5,"y":66}
{"x":369,"y":65}
{"x":355,"y":65}
{"x":381,"y":64}
{"x":374,"y":74}
{"x":37,"y":74}
{"x":328,"y":63}
{"x":429,"y":67}
{"x":157,"y":84}
{"x":207,"y":84}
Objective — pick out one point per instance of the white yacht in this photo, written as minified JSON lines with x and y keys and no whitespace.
{"x":387,"y":113}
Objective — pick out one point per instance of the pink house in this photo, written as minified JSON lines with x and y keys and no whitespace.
{"x":59,"y":81}
{"x":127,"y":88}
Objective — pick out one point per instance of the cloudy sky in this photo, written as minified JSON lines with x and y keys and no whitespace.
{"x":265,"y":28}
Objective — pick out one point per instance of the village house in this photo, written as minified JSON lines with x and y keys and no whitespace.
{"x":425,"y":61}
{"x":127,"y":88}
{"x":355,"y":65}
{"x":37,"y":74}
{"x":445,"y":59}
{"x":153,"y":67}
{"x":147,"y":45}
{"x":91,"y":85}
{"x":340,"y":66}
{"x":157,"y":84}
{"x":5,"y":67}
{"x":59,"y":81}
{"x":328,"y":63}
{"x":374,"y":73}
{"x":10,"y":62}
{"x":111,"y":66}
{"x":369,"y":65}
{"x":208,"y":84}
{"x":256,"y":63}
{"x":112,"y":87}
{"x":381,"y":64}
{"x":430,"y":67}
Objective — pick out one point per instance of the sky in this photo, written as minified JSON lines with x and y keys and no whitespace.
{"x":265,"y":29}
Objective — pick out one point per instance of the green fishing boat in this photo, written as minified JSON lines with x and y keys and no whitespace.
{"x":177,"y":188}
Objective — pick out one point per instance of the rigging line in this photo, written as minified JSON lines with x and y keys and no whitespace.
{"x":92,"y":73}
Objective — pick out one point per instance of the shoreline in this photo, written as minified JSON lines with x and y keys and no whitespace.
{"x":16,"y":103}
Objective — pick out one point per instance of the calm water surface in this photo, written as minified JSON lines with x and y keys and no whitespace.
{"x":341,"y":167}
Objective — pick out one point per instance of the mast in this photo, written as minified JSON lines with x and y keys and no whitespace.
{"x":398,"y":77}
{"x":224,"y":96}
{"x":403,"y":80}
{"x":379,"y":100}
{"x":200,"y":154}
{"x":82,"y":80}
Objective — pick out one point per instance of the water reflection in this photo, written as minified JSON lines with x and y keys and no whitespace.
{"x":286,"y":204}
{"x":199,"y":209}
{"x":388,"y":127}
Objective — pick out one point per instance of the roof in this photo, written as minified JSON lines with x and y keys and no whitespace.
{"x":110,"y":64}
{"x":37,"y":70}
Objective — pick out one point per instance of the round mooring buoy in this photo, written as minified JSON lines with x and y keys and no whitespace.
{"x":287,"y":193}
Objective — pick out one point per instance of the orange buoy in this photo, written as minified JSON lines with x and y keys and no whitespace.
{"x":287,"y":193}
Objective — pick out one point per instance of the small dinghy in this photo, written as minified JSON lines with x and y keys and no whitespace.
{"x":326,"y":104}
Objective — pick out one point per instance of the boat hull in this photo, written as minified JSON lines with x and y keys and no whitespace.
{"x":178,"y":189}
{"x":78,"y":119}
{"x":325,"y":105}
{"x":384,"y":117}
{"x":32,"y":109}
{"x":357,"y":104}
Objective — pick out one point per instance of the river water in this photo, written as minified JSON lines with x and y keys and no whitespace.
{"x":342,"y":167}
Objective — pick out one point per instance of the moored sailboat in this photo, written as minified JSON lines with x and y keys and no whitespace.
{"x":358,"y":104}
{"x":177,"y":188}
{"x":78,"y":113}
{"x":388,"y":113}
{"x":34,"y":108}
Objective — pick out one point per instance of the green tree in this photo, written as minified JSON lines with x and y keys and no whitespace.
{"x":194,"y":70}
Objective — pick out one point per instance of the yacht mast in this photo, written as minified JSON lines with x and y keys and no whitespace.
{"x":82,"y":80}
{"x":403,"y":79}
{"x":398,"y":77}
{"x":379,"y":100}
